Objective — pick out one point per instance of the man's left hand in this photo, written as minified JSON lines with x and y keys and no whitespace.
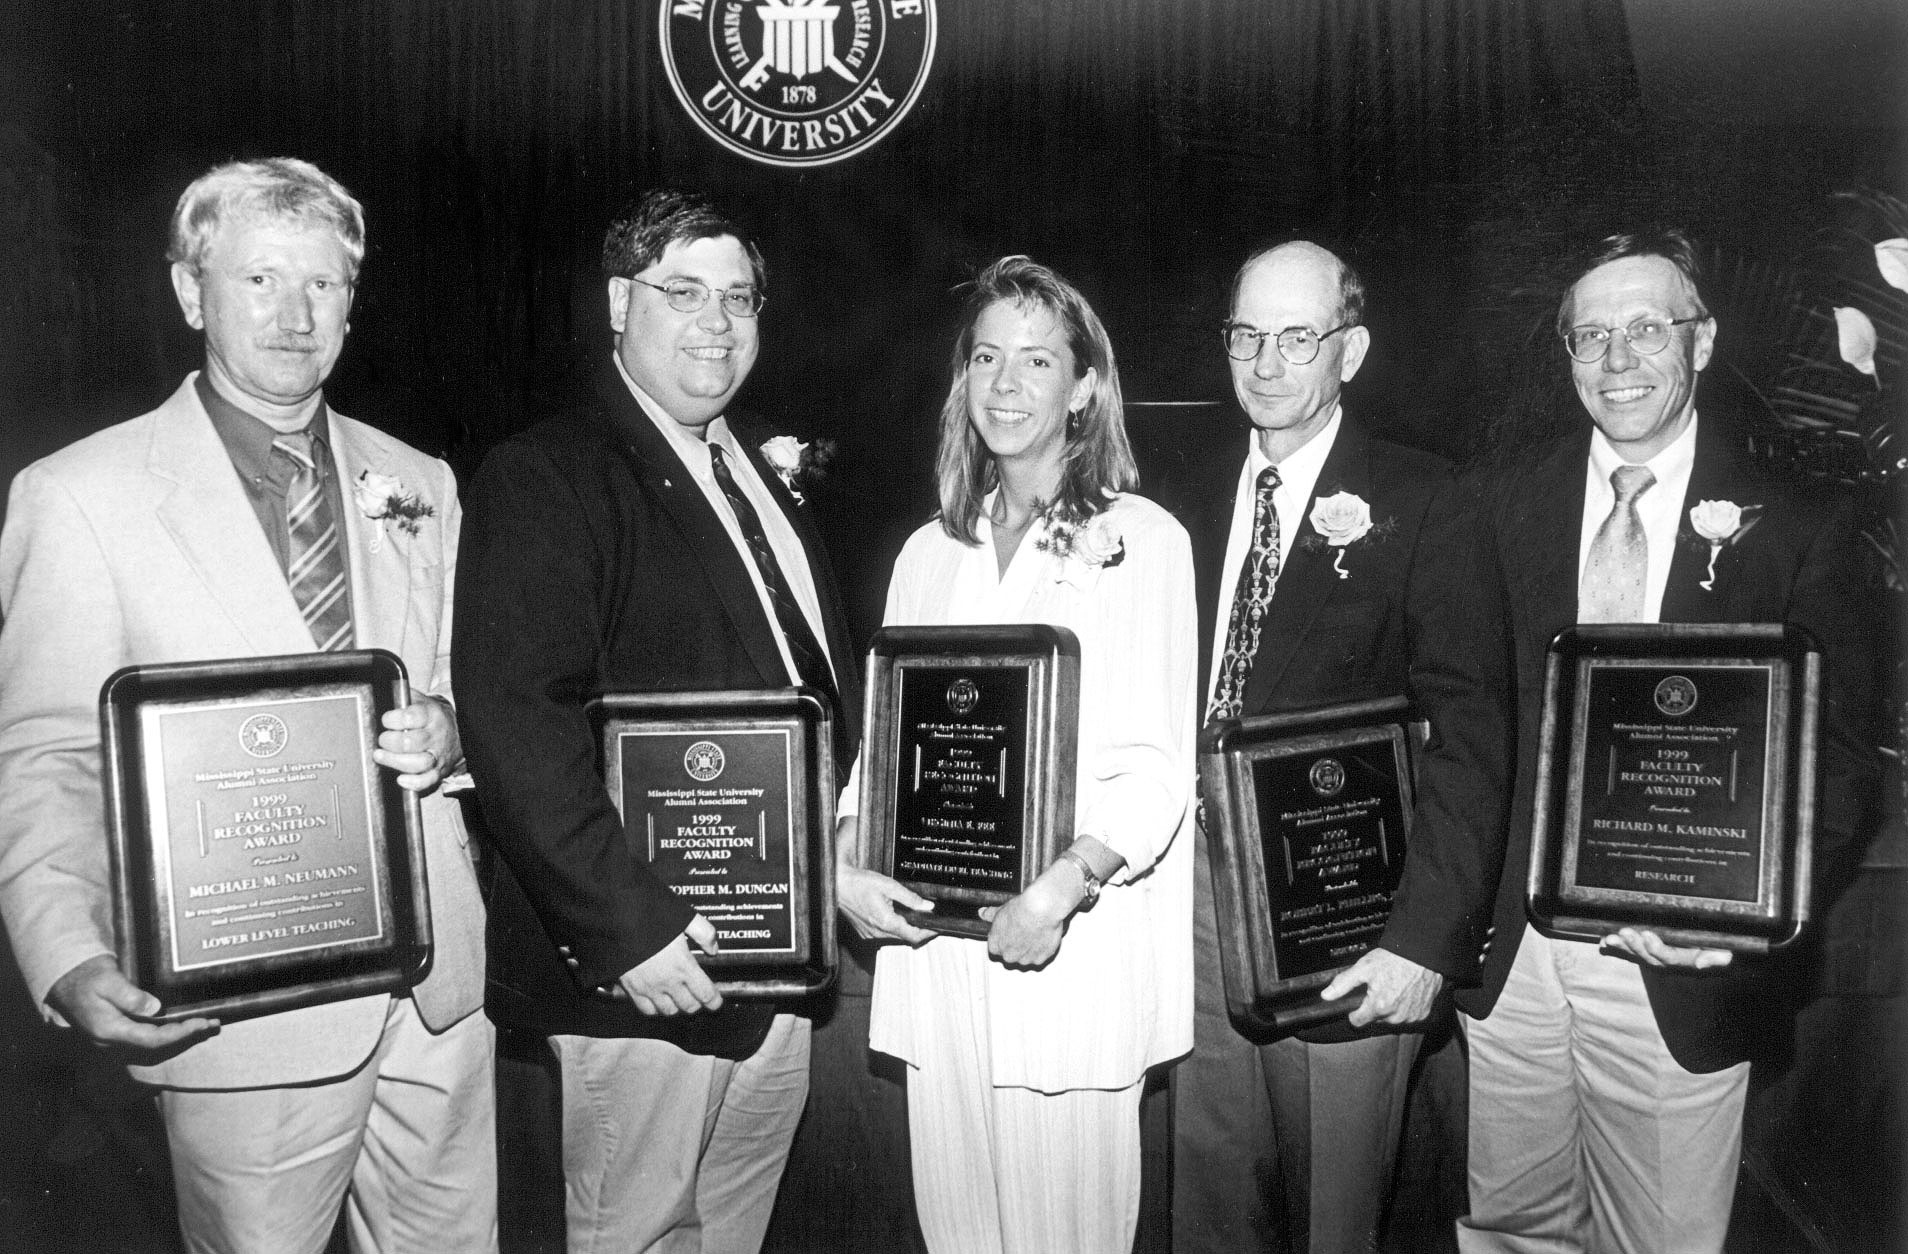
{"x":419,"y":742}
{"x":1397,"y":990}
{"x":1646,"y":947}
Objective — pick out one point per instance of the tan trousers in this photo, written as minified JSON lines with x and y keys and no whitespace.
{"x":407,"y":1143}
{"x":677,"y":1153}
{"x":1586,"y":1136}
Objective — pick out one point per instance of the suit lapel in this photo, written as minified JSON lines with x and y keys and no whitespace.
{"x":1307,"y":581}
{"x":820,"y":572}
{"x":1543,"y":531}
{"x":668,"y":481}
{"x":203,"y":506}
{"x":1714,"y":476}
{"x":1215,"y":489}
{"x":379,"y":557}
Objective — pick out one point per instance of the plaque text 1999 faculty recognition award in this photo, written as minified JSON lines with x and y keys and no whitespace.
{"x":262,"y":861}
{"x":729,"y":799}
{"x":1676,"y":784}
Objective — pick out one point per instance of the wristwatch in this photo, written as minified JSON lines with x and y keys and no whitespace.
{"x":1087,"y":877}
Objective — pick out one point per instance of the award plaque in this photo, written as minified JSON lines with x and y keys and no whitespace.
{"x":1307,"y":815}
{"x":729,"y":799}
{"x":1676,"y":783}
{"x":261,"y":860}
{"x":967,"y":768}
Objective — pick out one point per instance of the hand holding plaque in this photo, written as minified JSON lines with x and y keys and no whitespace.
{"x":1307,"y":815}
{"x":729,"y":799}
{"x":967,"y":770}
{"x":261,"y":858}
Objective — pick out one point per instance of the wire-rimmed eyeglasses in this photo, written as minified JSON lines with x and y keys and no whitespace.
{"x":1298,"y":345}
{"x":1646,"y":337}
{"x":688,"y":296}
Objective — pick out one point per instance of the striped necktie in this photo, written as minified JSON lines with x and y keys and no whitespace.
{"x":1258,"y":576}
{"x":316,"y":570}
{"x":811,"y":662}
{"x":1613,"y":577}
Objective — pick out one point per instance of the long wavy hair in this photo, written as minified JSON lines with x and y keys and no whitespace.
{"x":1098,"y":459}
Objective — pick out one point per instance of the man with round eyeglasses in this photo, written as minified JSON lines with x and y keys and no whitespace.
{"x":1287,"y":1144}
{"x":638,"y":542}
{"x":1607,"y":1081}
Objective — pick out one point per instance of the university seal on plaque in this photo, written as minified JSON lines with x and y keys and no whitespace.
{"x":797,"y":82}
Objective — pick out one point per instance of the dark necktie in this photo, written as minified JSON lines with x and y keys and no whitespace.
{"x":1258,"y":575}
{"x":316,"y":570}
{"x":1613,"y":577}
{"x":811,"y":663}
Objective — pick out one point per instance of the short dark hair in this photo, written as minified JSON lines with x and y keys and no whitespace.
{"x":1668,"y":242}
{"x":1351,"y":285}
{"x":648,"y":225}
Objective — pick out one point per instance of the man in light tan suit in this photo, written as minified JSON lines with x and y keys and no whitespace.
{"x":224,"y":524}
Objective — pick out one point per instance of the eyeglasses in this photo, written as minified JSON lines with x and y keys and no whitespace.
{"x":1645,"y":336}
{"x":1298,"y":345}
{"x":688,"y":296}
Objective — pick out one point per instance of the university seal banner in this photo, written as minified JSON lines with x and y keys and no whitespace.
{"x":800,"y":82}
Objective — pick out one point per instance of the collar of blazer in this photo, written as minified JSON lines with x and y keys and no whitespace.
{"x":381,"y":574}
{"x":1544,"y":501}
{"x":662,"y":474}
{"x":1306,"y":581}
{"x":203,"y":506}
{"x":1719,"y":473}
{"x":1538,"y":516}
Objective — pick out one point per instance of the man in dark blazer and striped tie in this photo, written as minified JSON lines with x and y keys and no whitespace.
{"x":639,"y":542}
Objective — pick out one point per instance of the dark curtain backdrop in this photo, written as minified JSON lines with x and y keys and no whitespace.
{"x":1138,"y":146}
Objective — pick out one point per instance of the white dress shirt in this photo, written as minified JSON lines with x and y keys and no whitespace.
{"x":1298,"y":475}
{"x":789,"y":553}
{"x":1660,"y":508}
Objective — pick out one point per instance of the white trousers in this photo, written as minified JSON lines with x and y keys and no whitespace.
{"x":1585,"y":1135}
{"x":673,"y":1152}
{"x":1017,"y":1171}
{"x":407,"y":1142}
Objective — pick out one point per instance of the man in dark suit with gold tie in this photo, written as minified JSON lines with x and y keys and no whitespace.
{"x":638,"y":542}
{"x":1333,"y":566}
{"x":1607,"y":1082}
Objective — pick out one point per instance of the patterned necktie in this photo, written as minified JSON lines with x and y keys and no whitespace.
{"x":1258,"y":575}
{"x":811,"y":663}
{"x":316,"y":571}
{"x":1612,"y":590}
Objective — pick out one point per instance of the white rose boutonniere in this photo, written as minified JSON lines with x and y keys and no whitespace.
{"x":1720,"y":523}
{"x":385,"y":500}
{"x":1341,"y":519}
{"x":798,"y":463}
{"x":784,"y":456}
{"x":1092,"y":545}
